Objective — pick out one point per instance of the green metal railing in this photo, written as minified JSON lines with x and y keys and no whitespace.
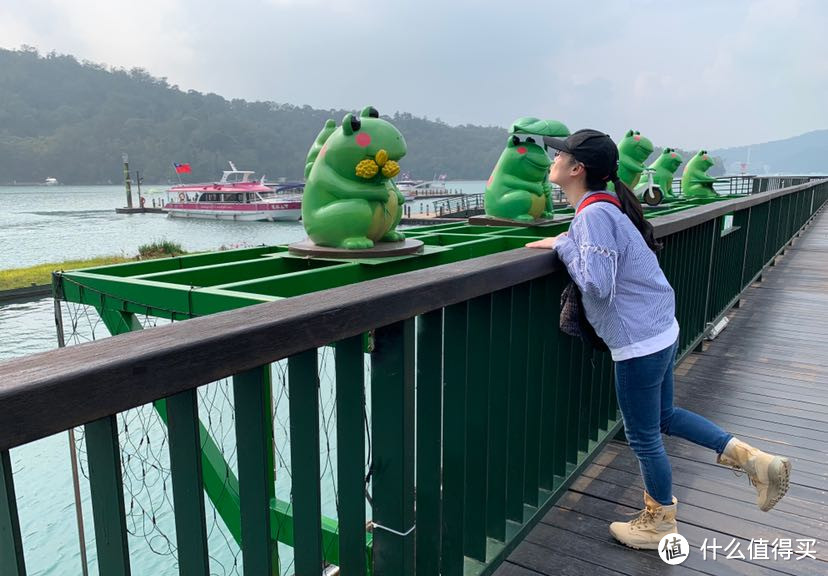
{"x":482,"y":412}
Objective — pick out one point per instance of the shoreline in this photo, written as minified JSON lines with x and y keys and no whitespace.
{"x":32,"y":282}
{"x":25,"y":294}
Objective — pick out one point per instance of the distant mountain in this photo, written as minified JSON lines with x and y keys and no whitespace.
{"x":803,"y":154}
{"x":72,"y":121}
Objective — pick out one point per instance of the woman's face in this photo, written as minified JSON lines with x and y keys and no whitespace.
{"x":565,"y":169}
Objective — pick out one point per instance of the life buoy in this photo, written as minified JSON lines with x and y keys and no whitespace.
{"x":181,"y":196}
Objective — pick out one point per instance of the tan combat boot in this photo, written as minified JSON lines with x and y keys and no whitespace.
{"x":768,"y":473}
{"x":651,"y":525}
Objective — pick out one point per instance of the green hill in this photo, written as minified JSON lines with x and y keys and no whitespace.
{"x":72,"y":120}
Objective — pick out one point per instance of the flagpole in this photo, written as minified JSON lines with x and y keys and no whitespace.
{"x":177,"y":174}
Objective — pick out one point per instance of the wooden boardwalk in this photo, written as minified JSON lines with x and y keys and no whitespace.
{"x":764,"y":379}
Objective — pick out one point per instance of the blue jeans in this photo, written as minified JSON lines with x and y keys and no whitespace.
{"x":644,"y":387}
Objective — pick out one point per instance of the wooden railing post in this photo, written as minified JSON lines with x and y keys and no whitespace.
{"x":11,"y":546}
{"x":477,"y":426}
{"x":454,"y":438}
{"x":392,"y":413}
{"x":303,"y":377}
{"x":498,"y":368}
{"x":350,"y":458}
{"x":429,"y":440}
{"x":106,"y":487}
{"x":187,"y":483}
{"x":253,"y":438}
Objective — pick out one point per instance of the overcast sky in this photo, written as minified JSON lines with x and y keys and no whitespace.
{"x":690,"y":74}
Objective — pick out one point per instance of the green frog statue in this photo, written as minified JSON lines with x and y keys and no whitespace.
{"x":518,"y":188}
{"x":350,"y":200}
{"x":633,"y":151}
{"x":663,"y":168}
{"x":695,"y":183}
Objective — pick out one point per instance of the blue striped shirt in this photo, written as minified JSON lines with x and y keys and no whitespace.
{"x":626,"y":296}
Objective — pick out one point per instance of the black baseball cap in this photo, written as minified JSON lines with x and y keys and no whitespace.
{"x":594,"y":149}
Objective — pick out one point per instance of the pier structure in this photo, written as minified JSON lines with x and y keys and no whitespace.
{"x":482,"y":438}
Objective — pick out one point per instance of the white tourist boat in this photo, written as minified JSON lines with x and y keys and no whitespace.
{"x":237,"y":196}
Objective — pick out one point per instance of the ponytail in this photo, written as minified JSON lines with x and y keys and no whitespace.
{"x":631,"y":206}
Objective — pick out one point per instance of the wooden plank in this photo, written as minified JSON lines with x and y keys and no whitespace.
{"x":744,"y":505}
{"x":538,"y":324}
{"x":350,"y":457}
{"x":392,"y":426}
{"x":516,"y":450}
{"x":542,"y":560}
{"x":454,"y":439}
{"x":707,"y":477}
{"x":498,"y":414}
{"x":12,"y":561}
{"x":107,"y":491}
{"x":509,"y":569}
{"x":252,"y":403}
{"x":586,"y":540}
{"x":589,"y":517}
{"x":477,"y":406}
{"x":187,"y":483}
{"x":429,"y":437}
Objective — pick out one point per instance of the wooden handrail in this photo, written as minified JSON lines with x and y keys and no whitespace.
{"x":53,"y":391}
{"x":672,"y":223}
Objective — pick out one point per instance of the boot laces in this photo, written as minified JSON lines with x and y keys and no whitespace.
{"x":644,"y":516}
{"x":739,"y":472}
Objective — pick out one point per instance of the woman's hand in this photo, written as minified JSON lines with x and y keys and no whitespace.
{"x":547,"y":243}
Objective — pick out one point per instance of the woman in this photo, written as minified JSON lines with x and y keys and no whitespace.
{"x":609,"y":253}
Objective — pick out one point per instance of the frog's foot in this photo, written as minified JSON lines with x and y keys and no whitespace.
{"x":525,"y":218}
{"x":547,"y":214}
{"x":357,"y":243}
{"x":393,"y":236}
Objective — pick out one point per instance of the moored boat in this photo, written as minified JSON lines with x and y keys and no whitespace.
{"x":237,"y":196}
{"x":411,"y":189}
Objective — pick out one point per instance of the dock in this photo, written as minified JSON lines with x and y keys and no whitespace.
{"x":140,"y":210}
{"x":764,"y":379}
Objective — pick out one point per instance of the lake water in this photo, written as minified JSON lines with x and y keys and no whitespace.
{"x":52,"y":224}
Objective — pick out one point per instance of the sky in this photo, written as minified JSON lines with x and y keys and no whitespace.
{"x":687,"y":74}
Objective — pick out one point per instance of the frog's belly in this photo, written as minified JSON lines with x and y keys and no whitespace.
{"x":384,"y":216}
{"x":538,"y":206}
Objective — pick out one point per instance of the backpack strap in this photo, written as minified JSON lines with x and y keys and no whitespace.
{"x":600,"y":197}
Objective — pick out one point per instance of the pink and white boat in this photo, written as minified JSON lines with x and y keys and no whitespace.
{"x":237,"y":196}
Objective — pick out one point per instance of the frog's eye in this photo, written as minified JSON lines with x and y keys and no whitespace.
{"x":530,"y":139}
{"x":370,"y":112}
{"x":350,"y":124}
{"x":515,"y":140}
